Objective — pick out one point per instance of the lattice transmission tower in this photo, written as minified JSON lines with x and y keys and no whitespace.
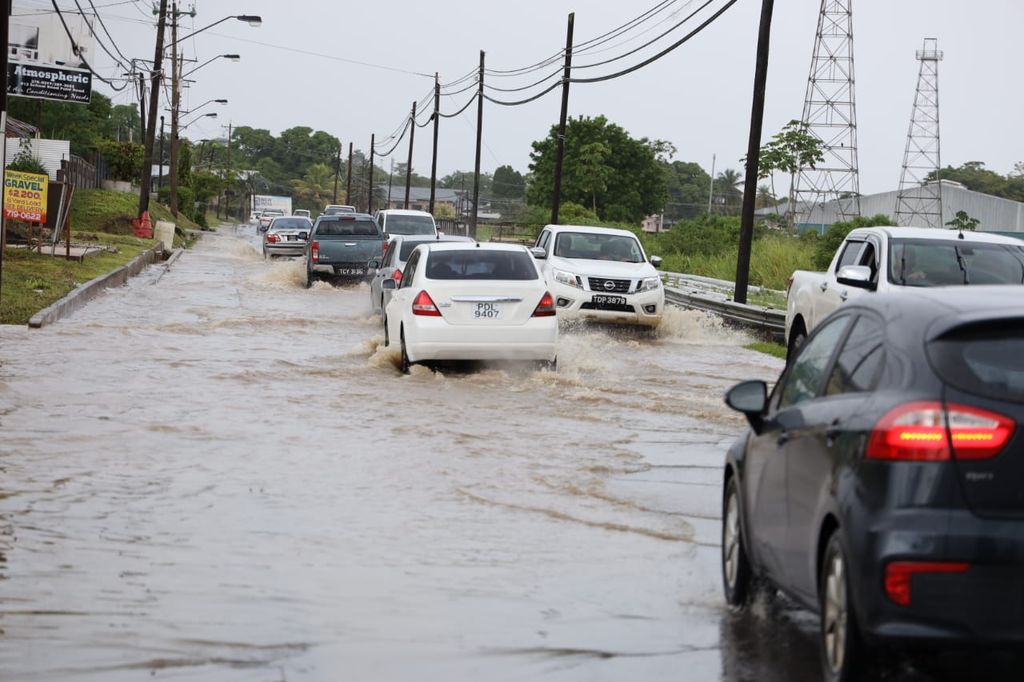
{"x":919,"y":200}
{"x":830,"y":112}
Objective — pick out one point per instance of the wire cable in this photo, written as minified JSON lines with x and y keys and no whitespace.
{"x":464,"y":107}
{"x":104,"y":26}
{"x":471,"y":86}
{"x":77,"y":51}
{"x":589,"y":45}
{"x":527,"y":87}
{"x":523,"y":101}
{"x":401,"y":137}
{"x":99,"y":42}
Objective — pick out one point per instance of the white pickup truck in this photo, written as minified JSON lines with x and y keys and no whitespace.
{"x":893,"y":258}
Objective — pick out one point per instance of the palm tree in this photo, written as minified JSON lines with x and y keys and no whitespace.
{"x":765,"y":198}
{"x":727,"y":186}
{"x":315,"y":186}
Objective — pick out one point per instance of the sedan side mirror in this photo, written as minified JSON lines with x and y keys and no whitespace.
{"x":388,"y":283}
{"x":374,"y":264}
{"x":538,"y":253}
{"x":750,"y":398}
{"x":656,"y":261}
{"x":858,"y":276}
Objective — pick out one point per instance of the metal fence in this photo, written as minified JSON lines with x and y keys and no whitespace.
{"x":79,"y":172}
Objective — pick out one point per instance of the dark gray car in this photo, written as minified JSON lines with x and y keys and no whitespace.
{"x":343,"y":245}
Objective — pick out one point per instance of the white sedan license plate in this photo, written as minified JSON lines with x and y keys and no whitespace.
{"x":601,"y":300}
{"x":487,"y":311}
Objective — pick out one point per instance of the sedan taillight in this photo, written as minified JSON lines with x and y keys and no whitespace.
{"x":929,"y":431}
{"x":273,"y":238}
{"x":424,"y":305}
{"x":546,"y":307}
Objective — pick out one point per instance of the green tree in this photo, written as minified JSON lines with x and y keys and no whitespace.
{"x":826,"y":247}
{"x":727,"y":187}
{"x":789,"y":150}
{"x":962,"y":221}
{"x":634,"y":183}
{"x":974,"y":176}
{"x":509,"y":183}
{"x":82,"y":125}
{"x":315,"y":189}
{"x":464,"y":180}
{"x":765,"y":197}
{"x":126,"y":122}
{"x":687,"y":186}
{"x":124,"y":159}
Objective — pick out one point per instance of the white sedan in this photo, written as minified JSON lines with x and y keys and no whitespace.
{"x":460,"y":301}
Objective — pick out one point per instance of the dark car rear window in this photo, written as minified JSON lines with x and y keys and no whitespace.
{"x":985,"y":359}
{"x":348,"y":228}
{"x":409,"y":245}
{"x":409,"y":224}
{"x":481,"y":264}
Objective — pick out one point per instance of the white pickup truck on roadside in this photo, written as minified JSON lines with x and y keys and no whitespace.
{"x":894,"y":258}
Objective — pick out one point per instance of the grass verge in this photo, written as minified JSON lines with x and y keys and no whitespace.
{"x":773,"y":259}
{"x":774,"y":349}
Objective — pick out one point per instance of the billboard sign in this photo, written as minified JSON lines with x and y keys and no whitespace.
{"x":49,"y":82}
{"x":25,"y":196}
{"x":43,"y":62}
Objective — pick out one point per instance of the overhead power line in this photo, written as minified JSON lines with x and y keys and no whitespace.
{"x":78,"y":52}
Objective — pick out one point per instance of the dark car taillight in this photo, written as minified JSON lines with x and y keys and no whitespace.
{"x":314,"y":250}
{"x":424,"y":305}
{"x":899,"y":576}
{"x":922,"y":431}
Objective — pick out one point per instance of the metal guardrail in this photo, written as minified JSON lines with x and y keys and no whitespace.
{"x":770,"y":322}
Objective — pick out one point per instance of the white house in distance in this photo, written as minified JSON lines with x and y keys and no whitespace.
{"x":994,"y":213}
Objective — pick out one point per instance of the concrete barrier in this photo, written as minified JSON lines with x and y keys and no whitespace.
{"x":88,"y":291}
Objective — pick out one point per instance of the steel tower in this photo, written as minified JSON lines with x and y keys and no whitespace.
{"x":830,"y":111}
{"x":919,"y":201}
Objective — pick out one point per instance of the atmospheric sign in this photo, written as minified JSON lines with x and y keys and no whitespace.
{"x":25,"y":196}
{"x":49,"y":82}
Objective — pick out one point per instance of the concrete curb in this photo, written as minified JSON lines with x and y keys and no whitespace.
{"x":88,"y":291}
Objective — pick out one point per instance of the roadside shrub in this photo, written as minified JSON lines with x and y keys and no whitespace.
{"x":26,"y":162}
{"x":124,"y":159}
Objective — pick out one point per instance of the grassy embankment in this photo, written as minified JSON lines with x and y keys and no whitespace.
{"x":32,"y":281}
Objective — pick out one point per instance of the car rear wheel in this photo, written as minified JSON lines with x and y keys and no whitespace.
{"x":737,"y":575}
{"x":310,"y":277}
{"x":387,"y":337}
{"x":405,"y":364}
{"x":841,"y":646}
{"x":796,"y":340}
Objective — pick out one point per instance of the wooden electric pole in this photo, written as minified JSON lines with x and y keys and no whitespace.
{"x":556,"y":200}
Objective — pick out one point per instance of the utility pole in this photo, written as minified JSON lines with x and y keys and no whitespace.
{"x":369,"y":181}
{"x":160,"y":176}
{"x":556,"y":200}
{"x":175,"y":102}
{"x":3,"y":123}
{"x":337,"y":172}
{"x":711,"y":188}
{"x":348,"y":181}
{"x":227,"y":200}
{"x":154,"y":105}
{"x":391,"y":177}
{"x":479,"y":140}
{"x":433,"y":159}
{"x":408,"y":165}
{"x":142,"y":109}
{"x":753,"y":153}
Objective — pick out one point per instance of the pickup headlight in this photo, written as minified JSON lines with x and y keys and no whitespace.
{"x":566,"y":278}
{"x":648,"y":284}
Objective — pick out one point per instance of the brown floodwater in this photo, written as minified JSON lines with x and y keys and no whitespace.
{"x":215,"y":474}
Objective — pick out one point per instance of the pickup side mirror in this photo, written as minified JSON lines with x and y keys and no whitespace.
{"x":656,"y":261}
{"x":373,"y":264}
{"x":538,"y":253}
{"x":750,"y":398}
{"x":857,"y":276}
{"x":388,"y":284}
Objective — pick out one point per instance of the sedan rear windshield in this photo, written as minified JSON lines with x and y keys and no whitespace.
{"x":481,"y":264}
{"x":931,"y":263}
{"x":985,"y":359}
{"x":409,"y":224}
{"x":291,"y":224}
{"x":364,"y":227}
{"x":598,"y":247}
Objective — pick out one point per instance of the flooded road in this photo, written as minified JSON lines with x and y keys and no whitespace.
{"x":215,"y":474}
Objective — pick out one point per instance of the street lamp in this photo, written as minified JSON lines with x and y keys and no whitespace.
{"x":252,"y":20}
{"x":209,"y":101}
{"x":212,"y":114}
{"x":229,"y":57}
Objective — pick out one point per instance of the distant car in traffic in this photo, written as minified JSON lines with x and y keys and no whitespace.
{"x":880,"y":484}
{"x":286,"y":236}
{"x":266,"y":216}
{"x":342,"y":245}
{"x":399,"y":248}
{"x":397,"y":221}
{"x":338,"y":209}
{"x":471,"y":302}
{"x":302,"y":213}
{"x":600,"y":273}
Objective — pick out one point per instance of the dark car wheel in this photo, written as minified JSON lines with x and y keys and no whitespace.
{"x":841,"y":646}
{"x":737,"y":575}
{"x":310,"y":277}
{"x":387,"y":337}
{"x":405,"y":364}
{"x":797,"y":337}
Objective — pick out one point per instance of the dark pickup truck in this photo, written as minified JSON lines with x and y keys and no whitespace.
{"x":342,"y":245}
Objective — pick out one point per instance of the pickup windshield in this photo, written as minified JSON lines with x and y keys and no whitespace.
{"x":932,"y":263}
{"x":410,"y":224}
{"x":598,"y":247}
{"x":359,"y":228}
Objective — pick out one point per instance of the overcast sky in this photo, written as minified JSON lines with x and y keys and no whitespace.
{"x":698,"y":97}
